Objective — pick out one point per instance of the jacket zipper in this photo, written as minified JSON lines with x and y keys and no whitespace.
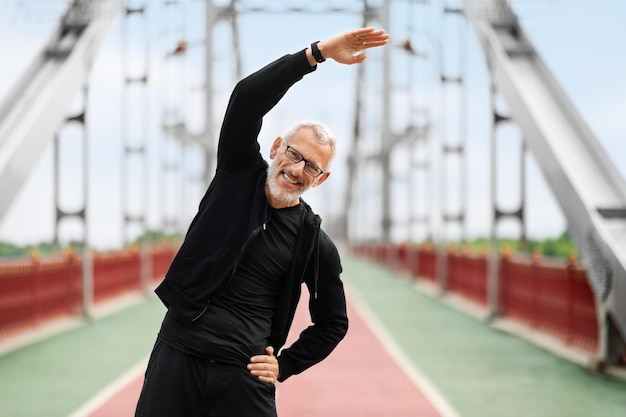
{"x":245,"y":246}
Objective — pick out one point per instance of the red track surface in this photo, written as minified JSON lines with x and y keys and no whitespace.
{"x":357,"y":379}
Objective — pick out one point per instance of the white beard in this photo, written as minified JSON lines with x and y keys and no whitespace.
{"x":276,"y":191}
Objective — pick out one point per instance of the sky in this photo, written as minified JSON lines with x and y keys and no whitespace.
{"x":579,"y":40}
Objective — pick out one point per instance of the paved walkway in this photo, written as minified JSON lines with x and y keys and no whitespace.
{"x":481,"y":372}
{"x":331,"y":389}
{"x":406,"y":354}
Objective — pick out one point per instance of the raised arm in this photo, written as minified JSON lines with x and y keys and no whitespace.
{"x":258,"y":93}
{"x":346,"y":47}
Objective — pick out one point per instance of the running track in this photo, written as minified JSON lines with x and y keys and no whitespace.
{"x":360,"y":378}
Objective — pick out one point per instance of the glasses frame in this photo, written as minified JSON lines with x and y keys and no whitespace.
{"x":301,"y":158}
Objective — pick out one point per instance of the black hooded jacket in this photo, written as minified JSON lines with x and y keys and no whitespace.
{"x":233,"y":211}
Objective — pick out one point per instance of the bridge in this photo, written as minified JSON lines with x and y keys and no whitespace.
{"x":452,"y":132}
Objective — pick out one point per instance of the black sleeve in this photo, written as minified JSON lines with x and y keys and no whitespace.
{"x":250,"y":101}
{"x":328,"y":314}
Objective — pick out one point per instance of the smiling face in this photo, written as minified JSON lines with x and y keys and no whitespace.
{"x":286,"y":180}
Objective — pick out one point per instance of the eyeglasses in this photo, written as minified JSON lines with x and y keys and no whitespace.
{"x":309,"y":167}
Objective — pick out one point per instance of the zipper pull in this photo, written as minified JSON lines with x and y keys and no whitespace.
{"x":264,"y":226}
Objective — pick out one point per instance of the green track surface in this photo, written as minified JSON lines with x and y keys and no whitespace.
{"x":54,"y":377}
{"x":481,"y":372}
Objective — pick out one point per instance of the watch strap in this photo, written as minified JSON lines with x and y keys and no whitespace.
{"x":316,"y":53}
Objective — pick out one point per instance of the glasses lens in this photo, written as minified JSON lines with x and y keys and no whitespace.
{"x":293,"y":154}
{"x":312,"y":170}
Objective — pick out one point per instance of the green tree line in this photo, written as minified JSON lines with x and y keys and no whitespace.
{"x":561,"y":247}
{"x":9,"y":250}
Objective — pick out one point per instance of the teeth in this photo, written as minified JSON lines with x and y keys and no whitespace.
{"x":289,"y":180}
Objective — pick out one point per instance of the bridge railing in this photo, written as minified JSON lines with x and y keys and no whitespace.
{"x":552,"y":297}
{"x":37,"y":290}
{"x":549,"y":296}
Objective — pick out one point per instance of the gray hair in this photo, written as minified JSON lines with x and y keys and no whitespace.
{"x":322,"y":132}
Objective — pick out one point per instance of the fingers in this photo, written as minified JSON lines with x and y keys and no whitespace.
{"x":365,"y":38}
{"x":370,"y":37}
{"x":265,"y":367}
{"x":359,"y":58}
{"x":347,"y":47}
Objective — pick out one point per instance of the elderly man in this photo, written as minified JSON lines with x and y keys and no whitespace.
{"x":233,"y":287}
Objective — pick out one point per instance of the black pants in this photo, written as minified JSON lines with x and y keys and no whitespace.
{"x":182,"y":385}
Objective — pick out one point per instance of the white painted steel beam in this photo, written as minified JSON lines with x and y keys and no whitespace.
{"x":582,"y":177}
{"x":37,"y":104}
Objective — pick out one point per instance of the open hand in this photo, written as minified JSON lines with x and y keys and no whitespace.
{"x":345,"y":47}
{"x":265,"y":367}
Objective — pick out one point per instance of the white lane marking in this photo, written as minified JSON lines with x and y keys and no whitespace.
{"x":416,"y":376}
{"x":110,"y":390}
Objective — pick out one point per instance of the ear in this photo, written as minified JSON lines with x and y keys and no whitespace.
{"x":275,"y":146}
{"x":319,"y":180}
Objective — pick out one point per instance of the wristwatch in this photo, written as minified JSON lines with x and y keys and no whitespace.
{"x":316,"y":53}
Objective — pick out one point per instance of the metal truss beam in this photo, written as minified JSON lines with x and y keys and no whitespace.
{"x":37,"y":104}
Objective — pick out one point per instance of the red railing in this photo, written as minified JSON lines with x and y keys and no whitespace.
{"x":34,"y":291}
{"x":467,"y":276}
{"x":549,"y":296}
{"x":426,"y":264}
{"x":552,"y":297}
{"x":116,"y":273}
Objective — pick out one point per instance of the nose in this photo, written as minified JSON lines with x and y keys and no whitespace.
{"x":298,"y":168}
